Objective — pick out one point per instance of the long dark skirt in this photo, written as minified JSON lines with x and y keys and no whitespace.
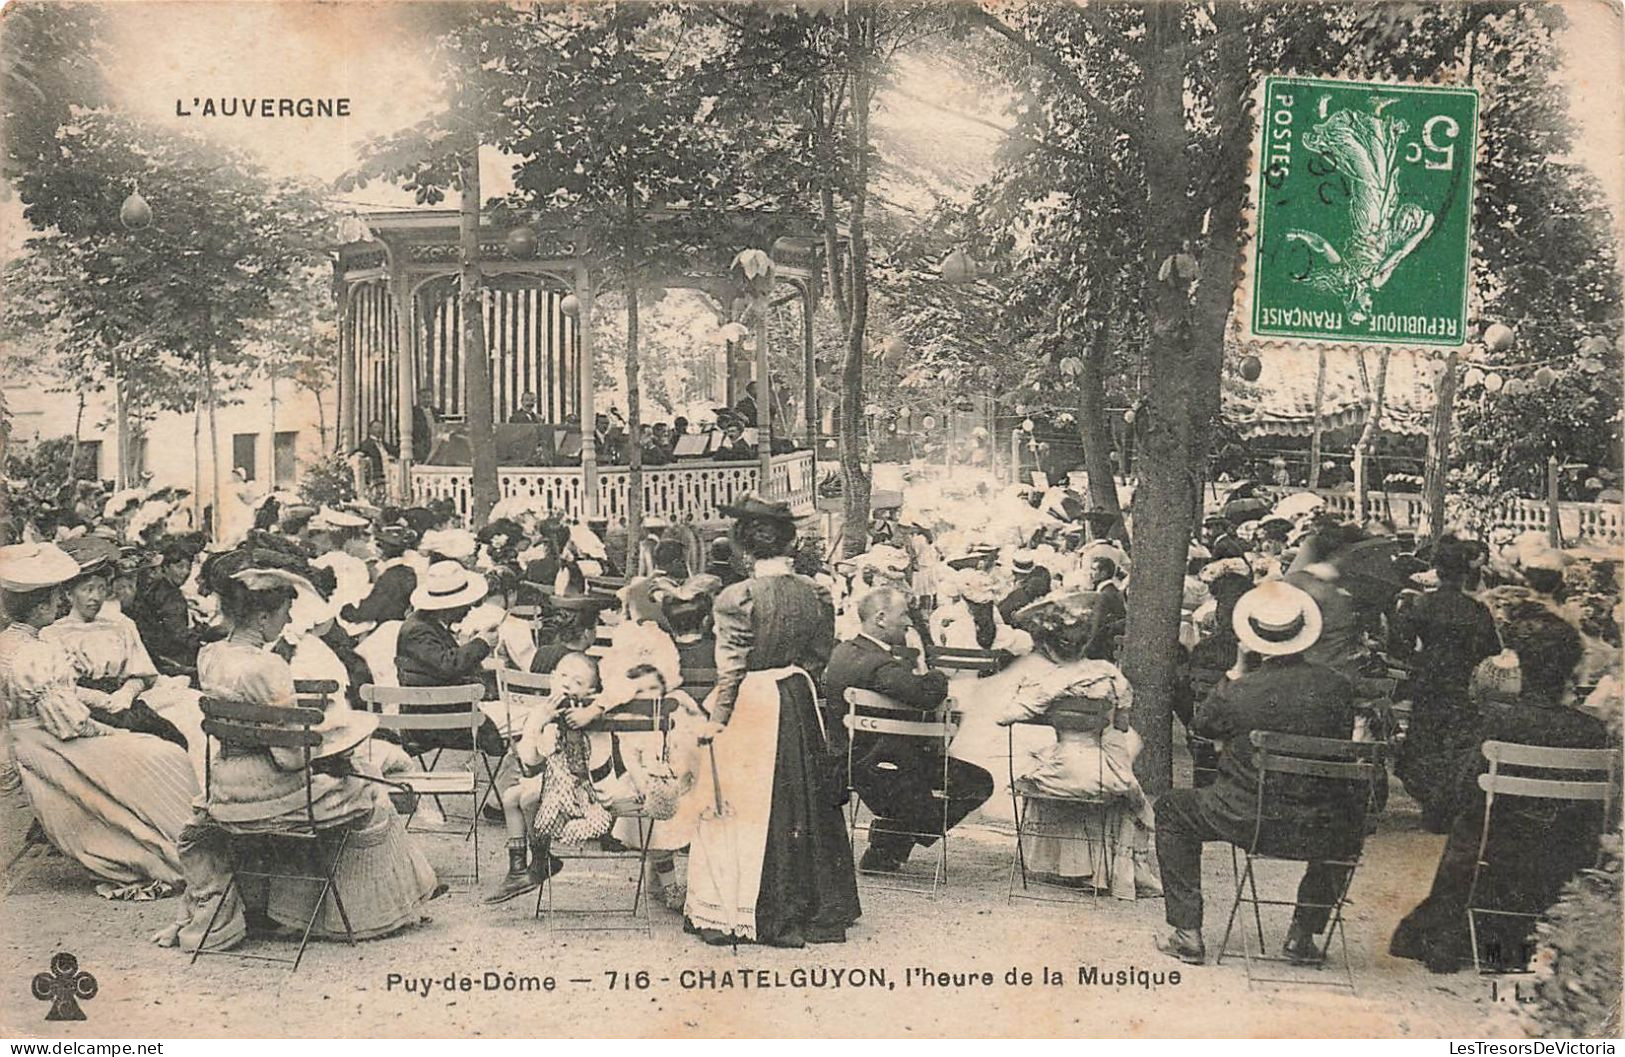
{"x":808,"y":883}
{"x":1444,"y":732}
{"x":1532,"y":853}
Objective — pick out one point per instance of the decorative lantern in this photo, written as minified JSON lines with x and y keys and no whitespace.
{"x":1027,"y":426}
{"x":1493,"y":383}
{"x":1128,"y":417}
{"x":1513,"y":387}
{"x":904,"y":412}
{"x":1251,"y":368}
{"x":135,"y":213}
{"x":929,"y":422}
{"x":521,"y":242}
{"x":957,"y":267}
{"x":1498,"y":337}
{"x":893,"y":349}
{"x":872,"y":410}
{"x":1070,"y":366}
{"x":733,"y":332}
{"x":570,"y":305}
{"x":1472,"y":377}
{"x":1545,"y":376}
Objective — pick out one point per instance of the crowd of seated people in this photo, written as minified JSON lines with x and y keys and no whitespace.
{"x":1291,"y":622}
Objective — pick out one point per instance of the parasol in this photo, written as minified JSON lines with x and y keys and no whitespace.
{"x":1298,"y":504}
{"x":716,"y":844}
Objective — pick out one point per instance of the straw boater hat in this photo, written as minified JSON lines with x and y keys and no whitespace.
{"x":328,"y":519}
{"x":1277,"y":619}
{"x":35,"y":566}
{"x":447,"y":585}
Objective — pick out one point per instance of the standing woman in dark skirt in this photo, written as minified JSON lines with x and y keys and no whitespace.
{"x":775,"y":866}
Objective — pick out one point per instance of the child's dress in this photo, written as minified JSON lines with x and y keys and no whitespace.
{"x":570,"y":809}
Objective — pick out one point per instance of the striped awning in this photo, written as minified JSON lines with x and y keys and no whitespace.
{"x":1282,"y":401}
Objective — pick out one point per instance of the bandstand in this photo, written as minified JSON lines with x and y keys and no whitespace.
{"x":397,"y":282}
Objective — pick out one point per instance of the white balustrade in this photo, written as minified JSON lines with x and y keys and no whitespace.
{"x":1581,"y":523}
{"x":683,"y":492}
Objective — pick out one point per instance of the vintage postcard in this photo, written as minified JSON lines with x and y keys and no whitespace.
{"x":811,"y":519}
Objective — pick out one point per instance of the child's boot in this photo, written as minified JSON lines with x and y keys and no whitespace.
{"x":518,"y":880}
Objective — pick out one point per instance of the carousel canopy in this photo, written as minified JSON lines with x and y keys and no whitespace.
{"x":1282,"y":401}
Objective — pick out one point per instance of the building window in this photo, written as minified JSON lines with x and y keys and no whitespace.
{"x":284,"y":466}
{"x":245,"y":454}
{"x":90,"y":459}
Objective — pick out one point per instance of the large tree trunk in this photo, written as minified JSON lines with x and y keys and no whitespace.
{"x":476,"y":362}
{"x":1096,"y":434}
{"x":634,"y":449}
{"x":855,"y":530}
{"x":211,"y":406}
{"x":1185,"y":358}
{"x":1436,"y":470}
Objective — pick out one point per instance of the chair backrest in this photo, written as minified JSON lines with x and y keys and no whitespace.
{"x":699,"y":681}
{"x":1077,"y":713}
{"x":641,"y":715}
{"x":961,"y":659}
{"x":426,"y":707}
{"x":245,"y":725}
{"x":1313,"y":757}
{"x":869,"y":712}
{"x":605,"y":587}
{"x":1548,"y":759}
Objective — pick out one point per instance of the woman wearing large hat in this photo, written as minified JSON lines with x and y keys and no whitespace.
{"x":114,"y":800}
{"x":1104,"y":845}
{"x":384,"y":877}
{"x":774,"y":864}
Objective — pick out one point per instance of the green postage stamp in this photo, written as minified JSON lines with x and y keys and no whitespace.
{"x":1364,"y":212}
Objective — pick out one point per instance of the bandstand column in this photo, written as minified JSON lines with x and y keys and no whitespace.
{"x":400,"y":292}
{"x":764,"y":406}
{"x":809,"y":302}
{"x":586,"y":413}
{"x":348,"y":438}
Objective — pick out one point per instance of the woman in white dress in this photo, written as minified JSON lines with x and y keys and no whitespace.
{"x":113,"y":800}
{"x":1080,"y":844}
{"x":383,"y":876}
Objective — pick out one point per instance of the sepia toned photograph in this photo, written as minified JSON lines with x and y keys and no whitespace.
{"x":815,"y":519}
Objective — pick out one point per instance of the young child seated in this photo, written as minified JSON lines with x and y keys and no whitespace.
{"x":553,"y":756}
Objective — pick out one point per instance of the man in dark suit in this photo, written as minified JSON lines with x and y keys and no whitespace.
{"x":162,"y":617}
{"x":1032,"y":583}
{"x":427,"y":652}
{"x":526,"y":412}
{"x":376,"y":452}
{"x":900,"y":778}
{"x":391,"y":595}
{"x":1286,"y":694}
{"x":425,"y":424}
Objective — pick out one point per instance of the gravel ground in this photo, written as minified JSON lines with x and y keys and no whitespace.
{"x":970,"y":929}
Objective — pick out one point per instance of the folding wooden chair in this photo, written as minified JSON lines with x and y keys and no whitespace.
{"x":1332,"y":762}
{"x":517,"y":693}
{"x":639,"y":716}
{"x":415,"y":709}
{"x":607,"y":588}
{"x":1549,"y":761}
{"x":1074,"y":714}
{"x":318,"y":844}
{"x":868,"y":712}
{"x":957,"y":660}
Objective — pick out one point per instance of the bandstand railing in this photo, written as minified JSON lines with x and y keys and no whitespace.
{"x":692,"y":492}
